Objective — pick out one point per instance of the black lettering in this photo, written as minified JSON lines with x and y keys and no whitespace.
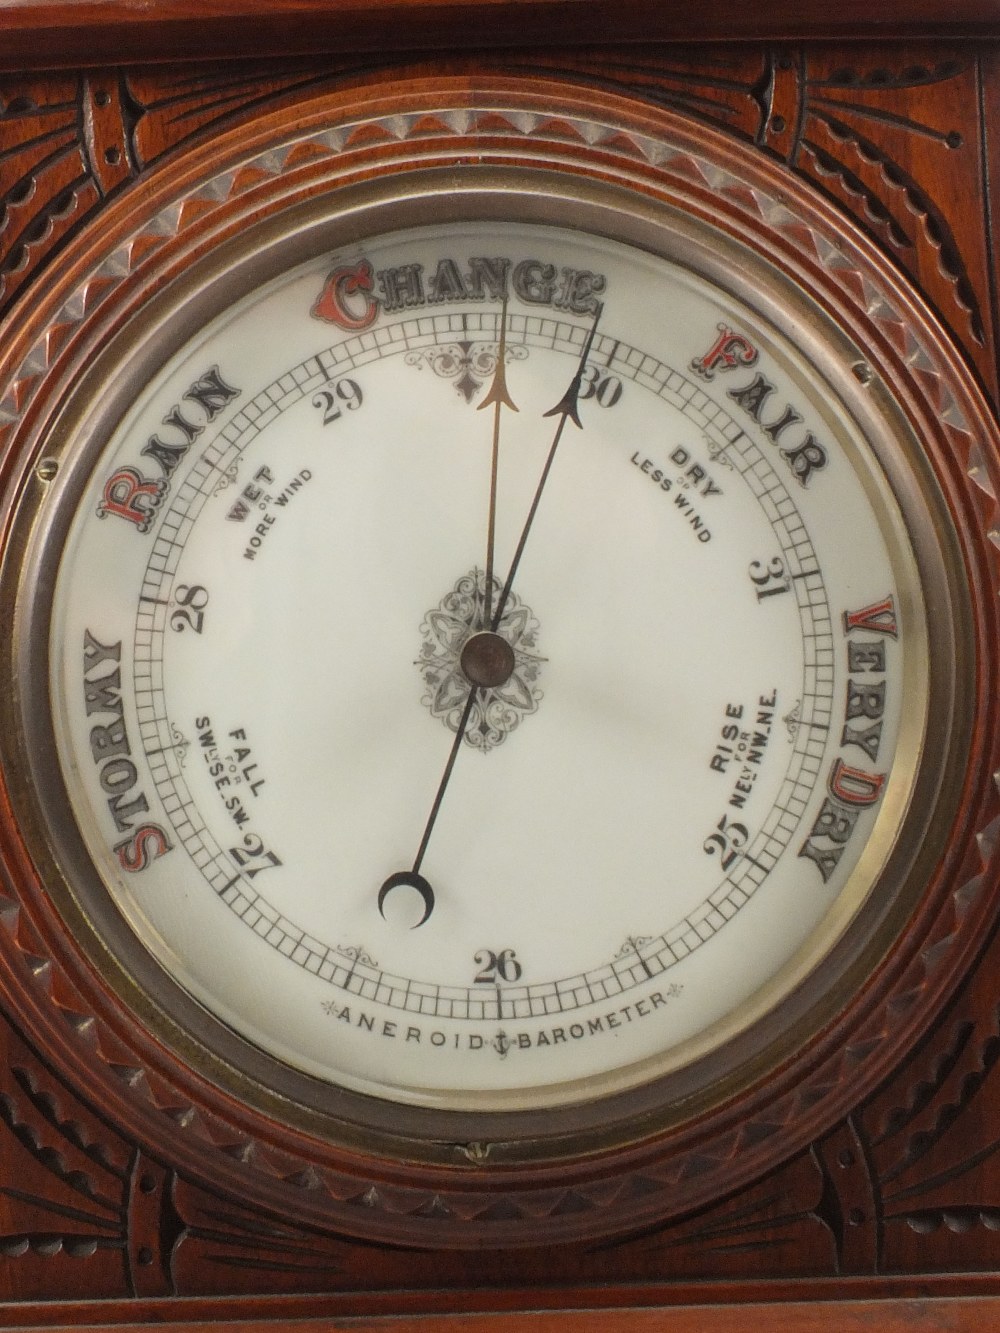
{"x":123,"y":812}
{"x":95,"y":653}
{"x":488,"y":277}
{"x":118,"y":775}
{"x":826,"y":858}
{"x":753,"y":397}
{"x":446,"y":283}
{"x":188,"y":429}
{"x":803,"y":461}
{"x":212,"y":393}
{"x":167,"y":455}
{"x":402,"y":287}
{"x":103,"y":695}
{"x":788,"y":418}
{"x":106,"y":742}
{"x":866,"y":655}
{"x":534,"y":282}
{"x":865,"y":700}
{"x":867,"y":740}
{"x":835,"y":822}
{"x":577,"y":291}
{"x":808,"y":458}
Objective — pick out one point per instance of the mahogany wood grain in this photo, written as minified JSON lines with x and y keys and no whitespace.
{"x":944,"y":1315}
{"x":990,"y":120}
{"x":40,"y":34}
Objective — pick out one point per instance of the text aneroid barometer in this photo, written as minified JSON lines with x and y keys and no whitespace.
{"x":487,"y":651}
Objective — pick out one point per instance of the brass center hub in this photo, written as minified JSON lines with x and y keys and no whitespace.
{"x":487,"y":659}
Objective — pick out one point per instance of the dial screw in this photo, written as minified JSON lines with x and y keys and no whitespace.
{"x":47,"y":469}
{"x":863,"y":372}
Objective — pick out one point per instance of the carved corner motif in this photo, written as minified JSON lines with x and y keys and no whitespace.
{"x":934,"y":1144}
{"x":899,"y":147}
{"x":63,"y":1187}
{"x":48,"y":179}
{"x":69,"y":143}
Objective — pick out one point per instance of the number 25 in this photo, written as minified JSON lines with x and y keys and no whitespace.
{"x":728,"y":839}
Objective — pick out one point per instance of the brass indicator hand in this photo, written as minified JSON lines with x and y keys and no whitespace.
{"x":498,"y":397}
{"x":487,"y":658}
{"x":480,"y":661}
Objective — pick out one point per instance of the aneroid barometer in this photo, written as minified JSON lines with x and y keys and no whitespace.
{"x":492,"y":652}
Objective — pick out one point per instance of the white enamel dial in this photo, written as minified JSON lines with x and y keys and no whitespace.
{"x":690,"y":757}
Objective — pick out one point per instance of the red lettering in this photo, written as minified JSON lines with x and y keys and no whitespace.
{"x":729,"y":351}
{"x":853,"y":786}
{"x":342,"y":284}
{"x":880,"y":618}
{"x":129,"y":495}
{"x":144,"y":846}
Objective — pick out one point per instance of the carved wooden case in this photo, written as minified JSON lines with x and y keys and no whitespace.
{"x":871,"y":1167}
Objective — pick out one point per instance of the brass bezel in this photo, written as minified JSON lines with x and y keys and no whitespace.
{"x":817,"y":989}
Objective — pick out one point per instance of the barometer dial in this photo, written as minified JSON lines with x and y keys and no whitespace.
{"x":488,"y":660}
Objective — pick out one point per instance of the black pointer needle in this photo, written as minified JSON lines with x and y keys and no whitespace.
{"x":566,"y":409}
{"x":413,"y":878}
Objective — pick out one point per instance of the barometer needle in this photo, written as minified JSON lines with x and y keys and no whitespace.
{"x":412,"y":878}
{"x":566,"y":408}
{"x":452,"y":755}
{"x":499,"y":397}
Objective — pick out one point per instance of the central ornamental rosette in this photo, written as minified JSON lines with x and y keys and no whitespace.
{"x":497,"y":709}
